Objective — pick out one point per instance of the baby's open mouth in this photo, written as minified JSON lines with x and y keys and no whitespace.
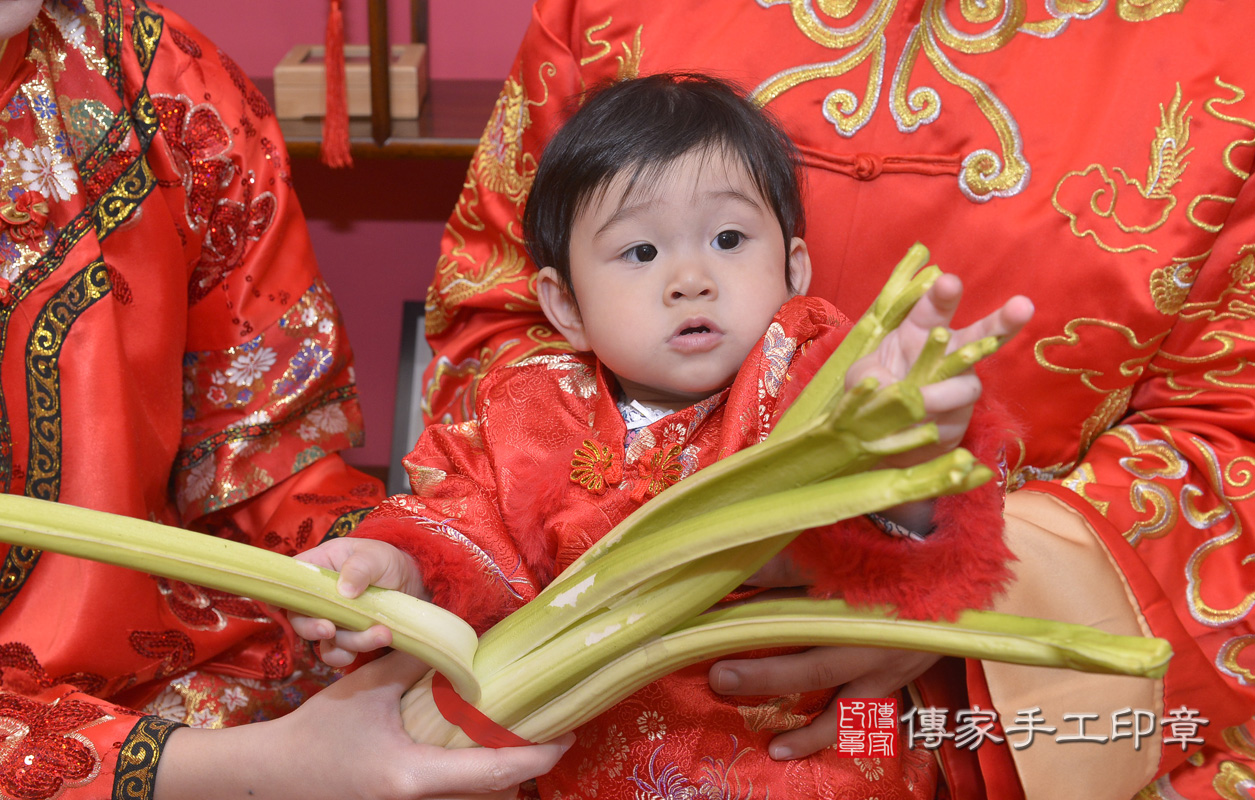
{"x":697,"y":329}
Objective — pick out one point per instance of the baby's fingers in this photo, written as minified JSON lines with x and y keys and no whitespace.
{"x":1004,"y":323}
{"x":312,"y":628}
{"x":950,"y":405}
{"x":1013,"y":316}
{"x":953,"y":394}
{"x":938,"y":305}
{"x":357,"y":573}
{"x":341,"y":649}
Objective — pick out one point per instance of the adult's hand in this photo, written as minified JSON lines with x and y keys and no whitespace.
{"x":345,"y":742}
{"x":859,"y":671}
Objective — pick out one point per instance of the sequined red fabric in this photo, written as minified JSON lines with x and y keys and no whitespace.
{"x":43,"y":748}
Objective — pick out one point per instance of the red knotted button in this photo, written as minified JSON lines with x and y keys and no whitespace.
{"x":868,"y":166}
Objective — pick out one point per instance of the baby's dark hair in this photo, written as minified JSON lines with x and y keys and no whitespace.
{"x":642,"y":126}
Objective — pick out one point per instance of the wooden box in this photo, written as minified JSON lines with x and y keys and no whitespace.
{"x":300,"y":81}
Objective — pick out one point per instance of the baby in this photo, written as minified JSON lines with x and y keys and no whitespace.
{"x":666,"y":216}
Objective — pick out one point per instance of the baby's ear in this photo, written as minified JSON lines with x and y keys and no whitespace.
{"x":560,"y":308}
{"x":799,"y":266}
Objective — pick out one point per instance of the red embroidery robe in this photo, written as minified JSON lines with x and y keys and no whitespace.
{"x":169,"y":352}
{"x":503,"y":503}
{"x":1095,"y":156}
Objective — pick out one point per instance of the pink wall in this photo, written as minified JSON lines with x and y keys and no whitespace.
{"x":376,"y":235}
{"x":470,"y":39}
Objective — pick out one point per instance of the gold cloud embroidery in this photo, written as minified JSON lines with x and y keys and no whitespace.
{"x":1207,"y":519}
{"x":1053,"y":352}
{"x":1234,"y":781}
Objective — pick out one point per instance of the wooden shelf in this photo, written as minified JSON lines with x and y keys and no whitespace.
{"x":449,"y":124}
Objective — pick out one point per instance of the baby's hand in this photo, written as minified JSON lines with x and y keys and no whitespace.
{"x":361,"y":563}
{"x":948,"y":403}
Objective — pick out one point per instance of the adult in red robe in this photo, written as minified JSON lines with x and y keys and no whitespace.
{"x":1094,"y":155}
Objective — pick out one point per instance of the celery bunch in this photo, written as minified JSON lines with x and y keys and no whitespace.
{"x":635,"y":606}
{"x":631,"y":608}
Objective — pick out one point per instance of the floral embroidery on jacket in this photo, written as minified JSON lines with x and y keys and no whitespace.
{"x":594,"y":467}
{"x":658,"y":468}
{"x":44,"y":754}
{"x":718,"y":780}
{"x":173,"y":651}
{"x":207,"y":609}
{"x":201,"y":144}
{"x":233,"y":226}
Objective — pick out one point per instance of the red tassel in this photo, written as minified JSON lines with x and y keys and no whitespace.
{"x":335,"y":121}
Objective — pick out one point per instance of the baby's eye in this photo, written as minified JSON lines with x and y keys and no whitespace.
{"x":641,"y":252}
{"x":729,"y":240}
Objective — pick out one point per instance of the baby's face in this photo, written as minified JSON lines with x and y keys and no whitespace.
{"x":677,"y":281}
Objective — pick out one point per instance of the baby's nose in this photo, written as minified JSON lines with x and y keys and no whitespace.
{"x":692,"y":281}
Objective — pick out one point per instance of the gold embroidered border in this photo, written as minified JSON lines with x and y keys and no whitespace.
{"x":43,"y":375}
{"x":44,"y":407}
{"x":116,"y":204}
{"x":146,"y":34}
{"x":138,"y":758}
{"x":346,"y":522}
{"x":124,"y":196}
{"x":18,"y":565}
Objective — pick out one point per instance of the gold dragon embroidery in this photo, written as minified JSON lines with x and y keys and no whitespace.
{"x":502,"y":166}
{"x":629,"y":62}
{"x":1168,"y":150}
{"x":1117,"y":211}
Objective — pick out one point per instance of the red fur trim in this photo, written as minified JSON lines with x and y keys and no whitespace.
{"x":533,"y":518}
{"x":962,"y":564}
{"x":454,"y":581}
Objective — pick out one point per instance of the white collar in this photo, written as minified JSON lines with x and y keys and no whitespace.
{"x":637,"y":415}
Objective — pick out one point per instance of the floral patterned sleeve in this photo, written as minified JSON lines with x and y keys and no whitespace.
{"x":473,"y":562}
{"x":268,"y":386}
{"x":261,"y":413}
